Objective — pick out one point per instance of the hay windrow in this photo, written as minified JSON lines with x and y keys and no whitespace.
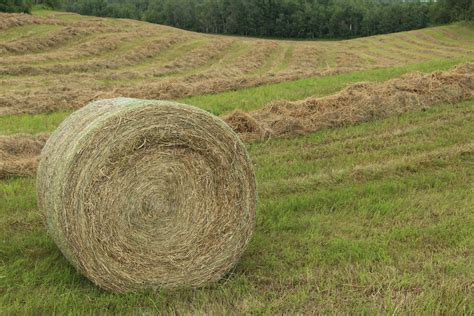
{"x":94,"y":56}
{"x":19,"y":154}
{"x":357,"y":103}
{"x":9,"y":20}
{"x":146,"y":194}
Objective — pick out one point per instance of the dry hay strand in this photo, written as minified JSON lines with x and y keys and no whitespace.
{"x":146,"y":194}
{"x":308,"y":59}
{"x":19,"y":154}
{"x":192,"y":59}
{"x":359,"y":103}
{"x":9,"y":20}
{"x":40,"y":43}
{"x":246,"y":126}
{"x":201,"y":83}
{"x":255,"y":57}
{"x":99,"y":64}
{"x":93,"y":43}
{"x":50,"y":100}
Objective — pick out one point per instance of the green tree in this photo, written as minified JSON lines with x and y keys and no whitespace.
{"x":272,"y":18}
{"x":23,"y":6}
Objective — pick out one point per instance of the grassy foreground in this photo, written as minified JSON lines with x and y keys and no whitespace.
{"x":371,"y":218}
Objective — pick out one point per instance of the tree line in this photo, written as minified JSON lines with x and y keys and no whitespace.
{"x":271,"y":18}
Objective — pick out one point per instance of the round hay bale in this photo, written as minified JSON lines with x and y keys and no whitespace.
{"x":146,"y":194}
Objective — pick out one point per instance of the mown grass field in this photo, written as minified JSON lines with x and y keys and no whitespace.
{"x":55,"y":61}
{"x":372,"y":218}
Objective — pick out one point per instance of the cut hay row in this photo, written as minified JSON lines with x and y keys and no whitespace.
{"x":205,"y":54}
{"x":255,"y":57}
{"x":452,"y":36}
{"x":59,"y":95}
{"x":395,"y":51}
{"x":348,"y":143}
{"x":309,"y":58}
{"x":381,"y":57}
{"x":287,"y":57}
{"x":276,"y":61}
{"x":440,"y":40}
{"x":426,"y":40}
{"x":411,"y":52}
{"x":207,"y":83}
{"x":408,"y":46}
{"x":88,"y":46}
{"x":348,"y":60}
{"x":11,"y":20}
{"x":30,"y":32}
{"x":144,"y":60}
{"x":131,"y":56}
{"x":41,"y":43}
{"x":428,"y":49}
{"x":248,"y":60}
{"x":27,"y":41}
{"x":19,"y":154}
{"x":357,"y":103}
{"x":273,"y":60}
{"x":368,"y":60}
{"x":173,"y":54}
{"x":58,"y":46}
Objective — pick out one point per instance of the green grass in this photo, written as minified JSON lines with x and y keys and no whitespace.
{"x":254,"y":98}
{"x":270,"y":61}
{"x":39,"y":10}
{"x":448,"y":40}
{"x":367,"y":219}
{"x":32,"y":124}
{"x":24,"y":31}
{"x":463,"y":29}
{"x":286,"y":59}
{"x":247,"y":99}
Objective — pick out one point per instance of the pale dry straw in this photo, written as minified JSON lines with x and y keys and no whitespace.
{"x":146,"y":194}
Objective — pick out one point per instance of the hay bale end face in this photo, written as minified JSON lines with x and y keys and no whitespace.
{"x":146,"y":194}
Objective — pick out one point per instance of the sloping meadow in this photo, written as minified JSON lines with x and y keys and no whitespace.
{"x":50,"y":63}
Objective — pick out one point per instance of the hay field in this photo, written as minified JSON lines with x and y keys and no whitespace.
{"x":58,"y":61}
{"x":370,"y":218}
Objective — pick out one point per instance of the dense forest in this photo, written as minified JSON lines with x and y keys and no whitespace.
{"x":271,"y":18}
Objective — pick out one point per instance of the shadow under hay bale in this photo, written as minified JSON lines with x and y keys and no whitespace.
{"x":145,"y":194}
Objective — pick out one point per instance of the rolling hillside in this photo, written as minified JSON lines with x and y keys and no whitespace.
{"x":55,"y":61}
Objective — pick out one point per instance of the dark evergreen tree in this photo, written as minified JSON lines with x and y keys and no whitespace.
{"x":271,"y":18}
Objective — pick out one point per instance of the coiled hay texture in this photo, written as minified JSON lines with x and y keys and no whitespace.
{"x":145,"y":194}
